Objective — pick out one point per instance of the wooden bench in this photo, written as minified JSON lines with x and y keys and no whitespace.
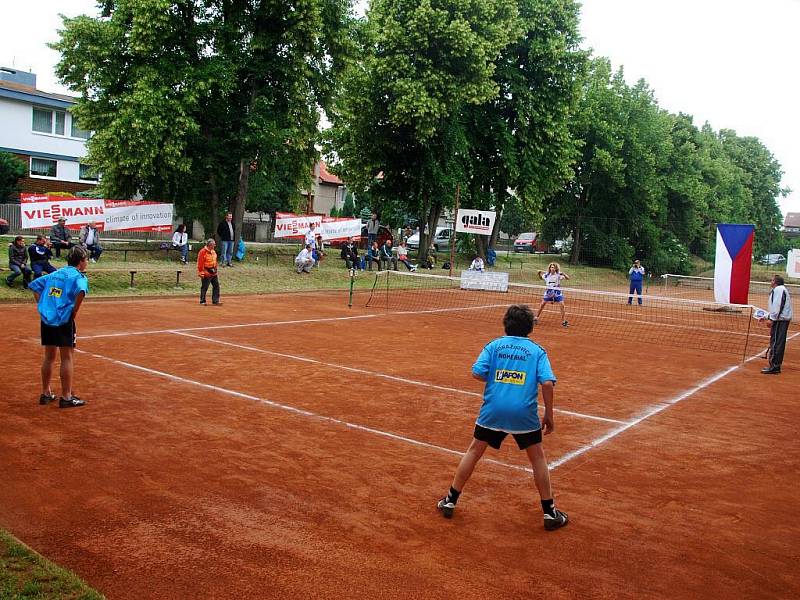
{"x":126,"y":250}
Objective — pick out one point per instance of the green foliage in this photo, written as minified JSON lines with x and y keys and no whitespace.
{"x":517,"y":217}
{"x":349,"y":207}
{"x":12,"y":170}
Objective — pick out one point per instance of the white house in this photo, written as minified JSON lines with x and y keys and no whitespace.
{"x":39,"y":129}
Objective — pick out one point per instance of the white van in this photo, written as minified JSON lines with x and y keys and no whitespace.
{"x":441,"y":239}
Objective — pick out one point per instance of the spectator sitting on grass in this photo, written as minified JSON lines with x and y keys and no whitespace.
{"x":402,"y":256}
{"x":18,"y":262}
{"x":374,"y":255}
{"x":40,"y":254}
{"x":305,"y":260}
{"x":350,"y":254}
{"x":477,"y":264}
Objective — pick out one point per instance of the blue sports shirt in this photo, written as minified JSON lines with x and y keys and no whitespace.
{"x":513,"y":368}
{"x":58,"y":292}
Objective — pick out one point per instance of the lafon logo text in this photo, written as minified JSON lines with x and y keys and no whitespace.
{"x":506,"y":376}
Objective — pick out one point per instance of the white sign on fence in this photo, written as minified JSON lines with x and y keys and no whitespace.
{"x":330,"y":228}
{"x":793,"y":263}
{"x":41,"y":210}
{"x":480,"y":222}
{"x":492,"y":281}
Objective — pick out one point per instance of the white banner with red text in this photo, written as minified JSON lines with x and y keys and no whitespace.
{"x":289,"y":225}
{"x":42,"y":210}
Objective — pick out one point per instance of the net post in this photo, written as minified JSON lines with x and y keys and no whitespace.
{"x":352,"y":281}
{"x":747,"y":337}
{"x":453,"y":236}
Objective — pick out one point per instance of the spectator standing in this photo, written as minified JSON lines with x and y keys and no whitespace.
{"x":180,"y":242}
{"x":387,"y":255}
{"x":60,"y":237}
{"x":40,"y":255}
{"x":407,"y":233}
{"x":373,"y":256}
{"x":311,"y":236}
{"x":304,"y":261}
{"x":59,"y":296}
{"x":373,"y":226}
{"x":402,"y":256}
{"x":350,"y":254}
{"x":18,"y":262}
{"x":430,"y":260}
{"x":225,"y":231}
{"x":512,"y":368}
{"x":207,"y":266}
{"x":779,"y":317}
{"x":636,"y":274}
{"x":89,"y":238}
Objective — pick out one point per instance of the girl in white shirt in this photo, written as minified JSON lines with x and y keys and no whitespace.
{"x":180,"y":241}
{"x":552,"y":279}
{"x":477,"y":264}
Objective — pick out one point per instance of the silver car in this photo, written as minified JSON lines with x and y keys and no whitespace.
{"x":441,"y":239}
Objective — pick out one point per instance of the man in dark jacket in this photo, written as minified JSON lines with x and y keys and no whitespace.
{"x":60,"y":237}
{"x":226,"y":235}
{"x":18,"y":262}
{"x":350,"y":254}
{"x":40,"y":254}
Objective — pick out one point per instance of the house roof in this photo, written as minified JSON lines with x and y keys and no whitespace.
{"x":792,"y":220}
{"x":27,"y":93}
{"x":327,"y":177}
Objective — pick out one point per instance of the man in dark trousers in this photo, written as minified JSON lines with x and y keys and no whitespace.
{"x":350,"y":255}
{"x":225,"y":232}
{"x":778,"y":320}
{"x":60,"y":237}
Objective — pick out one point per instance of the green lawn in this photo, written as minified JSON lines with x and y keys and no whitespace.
{"x":25,"y":575}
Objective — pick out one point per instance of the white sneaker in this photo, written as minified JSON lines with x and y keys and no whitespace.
{"x":93,"y":260}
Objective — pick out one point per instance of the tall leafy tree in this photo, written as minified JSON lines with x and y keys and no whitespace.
{"x":190,"y":98}
{"x":12,"y":170}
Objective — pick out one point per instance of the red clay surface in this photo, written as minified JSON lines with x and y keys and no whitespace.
{"x":283,"y":481}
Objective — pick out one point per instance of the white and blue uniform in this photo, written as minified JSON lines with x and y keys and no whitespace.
{"x":553,"y":283}
{"x":513,"y":368}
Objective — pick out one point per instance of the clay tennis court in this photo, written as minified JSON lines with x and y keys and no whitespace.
{"x":289,"y":446}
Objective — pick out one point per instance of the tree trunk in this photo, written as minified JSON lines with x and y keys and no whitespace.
{"x":239,"y":202}
{"x":576,"y":242}
{"x":214,"y":206}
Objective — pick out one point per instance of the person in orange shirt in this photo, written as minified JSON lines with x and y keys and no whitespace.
{"x":207,"y":270}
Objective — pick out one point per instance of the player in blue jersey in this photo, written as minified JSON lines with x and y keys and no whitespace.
{"x":553,"y":294}
{"x":59,"y":296}
{"x":513,"y":367}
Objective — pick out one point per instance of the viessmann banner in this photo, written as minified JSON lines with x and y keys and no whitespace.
{"x":331,"y":228}
{"x":42,"y":210}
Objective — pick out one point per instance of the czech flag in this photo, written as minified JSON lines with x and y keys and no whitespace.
{"x":732,"y":265}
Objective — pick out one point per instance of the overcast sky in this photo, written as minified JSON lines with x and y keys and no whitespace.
{"x":732,"y":63}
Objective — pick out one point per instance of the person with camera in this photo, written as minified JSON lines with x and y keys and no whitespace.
{"x":207,"y":266}
{"x":636,"y":274}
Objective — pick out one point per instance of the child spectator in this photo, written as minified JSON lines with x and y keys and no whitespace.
{"x":40,"y":254}
{"x":18,"y":262}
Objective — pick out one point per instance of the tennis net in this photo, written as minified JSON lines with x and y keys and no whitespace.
{"x":688,"y":323}
{"x":702,"y":288}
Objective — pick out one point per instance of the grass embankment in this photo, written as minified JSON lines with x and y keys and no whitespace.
{"x":25,"y":575}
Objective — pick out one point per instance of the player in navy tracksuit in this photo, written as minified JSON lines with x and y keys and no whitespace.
{"x":636,"y":273}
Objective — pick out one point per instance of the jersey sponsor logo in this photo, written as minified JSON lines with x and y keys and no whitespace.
{"x":55,"y":292}
{"x":506,"y":376}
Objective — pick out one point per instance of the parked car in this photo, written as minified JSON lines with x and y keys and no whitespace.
{"x":526,"y":242}
{"x":441,"y":239}
{"x":772,"y":259}
{"x":559,"y":247}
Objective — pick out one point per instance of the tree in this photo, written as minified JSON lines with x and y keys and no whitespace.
{"x":12,"y":170}
{"x":399,"y":111}
{"x":190,"y":98}
{"x":349,"y":207}
{"x":517,"y":217}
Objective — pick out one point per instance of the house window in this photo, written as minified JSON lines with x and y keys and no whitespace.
{"x":87,"y":173}
{"x":44,"y":167}
{"x":49,"y":121}
{"x":77,"y":132}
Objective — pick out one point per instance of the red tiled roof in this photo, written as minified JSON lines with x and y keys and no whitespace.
{"x":326,"y":177}
{"x":792,"y":220}
{"x":19,"y":87}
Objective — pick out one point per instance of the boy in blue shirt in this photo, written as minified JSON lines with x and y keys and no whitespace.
{"x":59,"y":296}
{"x":513,"y":367}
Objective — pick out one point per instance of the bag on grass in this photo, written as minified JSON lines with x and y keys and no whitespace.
{"x":240,"y":250}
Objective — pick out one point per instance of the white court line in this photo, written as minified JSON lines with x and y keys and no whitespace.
{"x":297,"y":411}
{"x":372,"y":373}
{"x":654,"y":410}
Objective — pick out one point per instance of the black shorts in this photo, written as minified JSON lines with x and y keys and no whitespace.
{"x":62,"y":336}
{"x":495,"y":438}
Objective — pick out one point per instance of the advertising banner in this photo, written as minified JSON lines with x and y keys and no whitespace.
{"x":793,"y":263}
{"x":480,"y":222}
{"x":41,"y":210}
{"x":289,"y":225}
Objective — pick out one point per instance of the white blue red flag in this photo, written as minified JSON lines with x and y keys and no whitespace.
{"x":732,"y":265}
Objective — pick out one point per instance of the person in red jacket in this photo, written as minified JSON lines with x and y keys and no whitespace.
{"x":207,"y":270}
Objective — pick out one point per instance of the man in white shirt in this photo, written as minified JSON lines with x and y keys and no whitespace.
{"x":778,"y":320}
{"x":305,"y":260}
{"x":311,"y":236}
{"x":89,"y":238}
